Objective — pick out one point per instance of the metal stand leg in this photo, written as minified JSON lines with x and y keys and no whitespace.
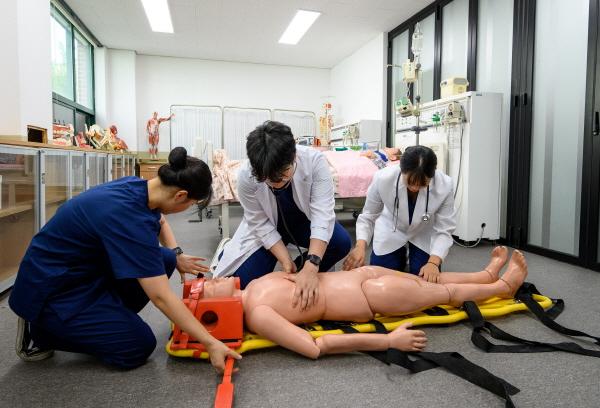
{"x":224,"y":220}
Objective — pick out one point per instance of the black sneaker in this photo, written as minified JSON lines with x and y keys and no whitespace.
{"x":25,"y":348}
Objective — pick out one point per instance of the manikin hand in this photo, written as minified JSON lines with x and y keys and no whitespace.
{"x":218,"y":352}
{"x":355,"y":259}
{"x":430,"y":272}
{"x":189,"y":264}
{"x":306,"y":293}
{"x":407,"y":340}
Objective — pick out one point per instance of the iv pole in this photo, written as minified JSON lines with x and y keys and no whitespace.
{"x":413,"y":69}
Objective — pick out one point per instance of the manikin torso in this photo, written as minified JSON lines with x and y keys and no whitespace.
{"x":345,"y":287}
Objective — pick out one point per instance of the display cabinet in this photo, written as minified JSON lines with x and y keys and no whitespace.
{"x":103,"y":168}
{"x":77,"y":167}
{"x":19,"y":207}
{"x":91,"y":166}
{"x":35,"y":180}
{"x":55,"y":181}
{"x":117,"y":166}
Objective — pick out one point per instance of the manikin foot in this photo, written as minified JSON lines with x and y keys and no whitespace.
{"x":515,"y":274}
{"x":407,"y":340}
{"x":497,"y":261}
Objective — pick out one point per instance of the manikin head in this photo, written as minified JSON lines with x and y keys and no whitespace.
{"x":220,"y":287}
{"x":393,"y":153}
{"x":155,"y":115}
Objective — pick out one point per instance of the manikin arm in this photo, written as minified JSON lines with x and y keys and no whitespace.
{"x":268,"y":323}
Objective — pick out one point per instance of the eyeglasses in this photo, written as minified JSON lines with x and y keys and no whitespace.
{"x":284,"y":179}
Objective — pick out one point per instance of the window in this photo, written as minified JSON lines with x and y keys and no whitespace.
{"x":62,"y":57}
{"x":83,"y":72}
{"x":449,"y":29}
{"x":455,"y":39}
{"x":72,"y":73}
{"x":427,"y":59}
{"x":399,"y":87}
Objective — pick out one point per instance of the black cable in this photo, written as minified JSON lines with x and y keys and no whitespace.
{"x":462,"y":129}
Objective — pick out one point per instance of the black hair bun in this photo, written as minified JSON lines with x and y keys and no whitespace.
{"x":178,"y":158}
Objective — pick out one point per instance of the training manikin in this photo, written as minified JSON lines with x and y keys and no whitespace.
{"x":359,"y":294}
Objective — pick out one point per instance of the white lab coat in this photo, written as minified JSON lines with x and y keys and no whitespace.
{"x":313,"y":193}
{"x":377,"y":220}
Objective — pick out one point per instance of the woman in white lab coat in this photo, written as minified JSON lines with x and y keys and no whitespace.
{"x":412,"y":203}
{"x":287,"y":195}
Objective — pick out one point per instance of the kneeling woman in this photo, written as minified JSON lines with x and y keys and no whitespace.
{"x":97,"y":263}
{"x":411,"y":203}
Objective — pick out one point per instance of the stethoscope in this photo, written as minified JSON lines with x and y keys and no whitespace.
{"x":425,"y":217}
{"x":276,"y":192}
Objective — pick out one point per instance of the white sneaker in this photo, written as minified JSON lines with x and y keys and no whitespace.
{"x":25,"y":348}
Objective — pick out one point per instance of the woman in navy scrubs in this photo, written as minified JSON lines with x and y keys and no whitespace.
{"x":97,"y":263}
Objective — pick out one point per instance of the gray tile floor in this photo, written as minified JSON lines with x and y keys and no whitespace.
{"x":278,"y":378}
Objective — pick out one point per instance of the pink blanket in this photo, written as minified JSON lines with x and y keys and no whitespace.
{"x":352,"y":173}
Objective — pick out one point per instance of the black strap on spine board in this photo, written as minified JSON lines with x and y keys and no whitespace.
{"x":451,"y":361}
{"x":525,"y":295}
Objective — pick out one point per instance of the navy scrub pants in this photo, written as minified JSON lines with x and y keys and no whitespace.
{"x":109,"y":329}
{"x":397,"y":260}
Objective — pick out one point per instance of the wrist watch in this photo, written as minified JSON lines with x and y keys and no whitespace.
{"x":314,"y":259}
{"x":178,"y":251}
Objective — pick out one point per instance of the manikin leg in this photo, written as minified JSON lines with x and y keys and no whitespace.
{"x":489,"y":274}
{"x":403,"y":294}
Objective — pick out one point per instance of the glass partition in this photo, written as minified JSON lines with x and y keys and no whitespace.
{"x":19,"y":190}
{"x":56,"y":180}
{"x":558,"y":124}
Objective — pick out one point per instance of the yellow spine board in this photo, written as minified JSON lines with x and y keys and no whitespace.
{"x":494,"y":307}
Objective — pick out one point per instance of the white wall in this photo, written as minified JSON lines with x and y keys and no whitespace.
{"x":121,"y":95}
{"x":35,"y":73}
{"x":115,"y":90}
{"x":25,"y":74}
{"x":10,"y":119}
{"x":358,"y":84}
{"x":162,"y":82}
{"x":101,"y":85}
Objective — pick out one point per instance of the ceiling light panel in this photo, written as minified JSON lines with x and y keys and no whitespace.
{"x":299,"y":25}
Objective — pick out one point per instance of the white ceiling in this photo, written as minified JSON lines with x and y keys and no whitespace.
{"x":246,"y":30}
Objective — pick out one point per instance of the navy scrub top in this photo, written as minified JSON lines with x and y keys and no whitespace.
{"x":103,"y":234}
